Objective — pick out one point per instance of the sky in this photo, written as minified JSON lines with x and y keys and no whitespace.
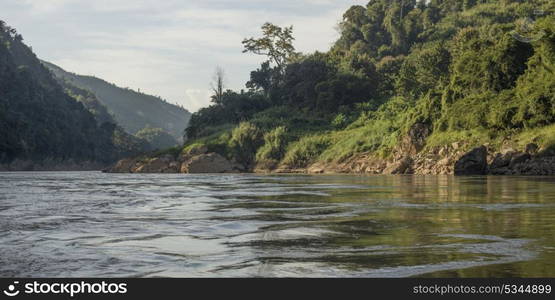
{"x":167,"y":48}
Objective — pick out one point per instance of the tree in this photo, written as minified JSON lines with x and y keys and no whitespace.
{"x":218,"y":85}
{"x":276,"y":43}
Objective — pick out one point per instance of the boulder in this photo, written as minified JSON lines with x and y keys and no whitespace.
{"x":163,"y":164}
{"x":473,"y":162}
{"x":209,"y":163}
{"x":123,"y":166}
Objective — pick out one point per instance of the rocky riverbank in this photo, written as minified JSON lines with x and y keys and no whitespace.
{"x":408,"y":158}
{"x":197,"y":160}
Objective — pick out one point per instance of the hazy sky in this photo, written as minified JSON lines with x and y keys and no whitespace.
{"x":168,"y":48}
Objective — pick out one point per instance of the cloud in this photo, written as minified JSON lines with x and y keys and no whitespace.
{"x":167,"y":48}
{"x":195,"y":98}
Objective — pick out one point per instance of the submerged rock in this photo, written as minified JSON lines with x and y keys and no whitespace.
{"x":473,"y":162}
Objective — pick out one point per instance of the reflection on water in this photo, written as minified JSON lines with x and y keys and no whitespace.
{"x":94,"y":224}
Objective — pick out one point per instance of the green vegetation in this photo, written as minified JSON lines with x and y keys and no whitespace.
{"x":157,"y":138}
{"x":470,"y":71}
{"x":131,"y":109}
{"x":245,"y":140}
{"x":466,"y":69}
{"x":274,"y":147}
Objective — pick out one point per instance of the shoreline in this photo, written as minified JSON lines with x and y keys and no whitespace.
{"x":435,"y":161}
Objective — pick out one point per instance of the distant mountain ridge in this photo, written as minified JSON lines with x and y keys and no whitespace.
{"x":132,"y":110}
{"x":47,"y":126}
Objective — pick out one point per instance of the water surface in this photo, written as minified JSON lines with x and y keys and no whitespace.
{"x":90,"y":224}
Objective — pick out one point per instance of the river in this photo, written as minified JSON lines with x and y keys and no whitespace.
{"x":91,"y":224}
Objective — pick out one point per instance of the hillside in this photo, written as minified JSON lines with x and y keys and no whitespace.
{"x":131,"y":109}
{"x":42,"y":126}
{"x":409,"y":87}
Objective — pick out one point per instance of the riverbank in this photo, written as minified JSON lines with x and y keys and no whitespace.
{"x":458,"y":159}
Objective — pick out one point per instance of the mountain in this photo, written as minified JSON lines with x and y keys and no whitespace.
{"x":41,"y":126}
{"x":132,"y":110}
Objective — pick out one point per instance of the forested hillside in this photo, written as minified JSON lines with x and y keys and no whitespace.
{"x":131,"y":109}
{"x":444,"y":72}
{"x":40,"y":122}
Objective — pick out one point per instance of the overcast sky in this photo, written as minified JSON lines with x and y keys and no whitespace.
{"x":167,"y":48}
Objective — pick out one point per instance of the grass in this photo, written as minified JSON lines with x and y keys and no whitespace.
{"x":542,"y":136}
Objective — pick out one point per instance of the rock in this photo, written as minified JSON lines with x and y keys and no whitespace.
{"x":442,"y":151}
{"x":209,"y":163}
{"x":163,"y":164}
{"x":123,"y":166}
{"x":473,"y":162}
{"x":500,"y":171}
{"x":531,"y":148}
{"x":455,"y":145}
{"x":501,"y":160}
{"x":315,"y":170}
{"x":537,"y":166}
{"x":398,"y":167}
{"x":518,"y":159}
{"x":444,"y":161}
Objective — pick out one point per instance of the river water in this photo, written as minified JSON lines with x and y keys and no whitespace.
{"x":90,"y":224}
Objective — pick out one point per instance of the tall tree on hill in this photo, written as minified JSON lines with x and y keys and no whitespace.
{"x":276,"y":43}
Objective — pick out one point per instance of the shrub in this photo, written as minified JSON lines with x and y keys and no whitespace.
{"x":305,"y":151}
{"x":274,"y":147}
{"x":340,"y":121}
{"x":245,"y":140}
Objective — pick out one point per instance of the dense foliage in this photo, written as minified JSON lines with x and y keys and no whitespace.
{"x":157,"y":138}
{"x":478,"y":71}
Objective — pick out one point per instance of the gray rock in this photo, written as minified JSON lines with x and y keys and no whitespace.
{"x":163,"y":164}
{"x":473,"y":162}
{"x":125,"y":165}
